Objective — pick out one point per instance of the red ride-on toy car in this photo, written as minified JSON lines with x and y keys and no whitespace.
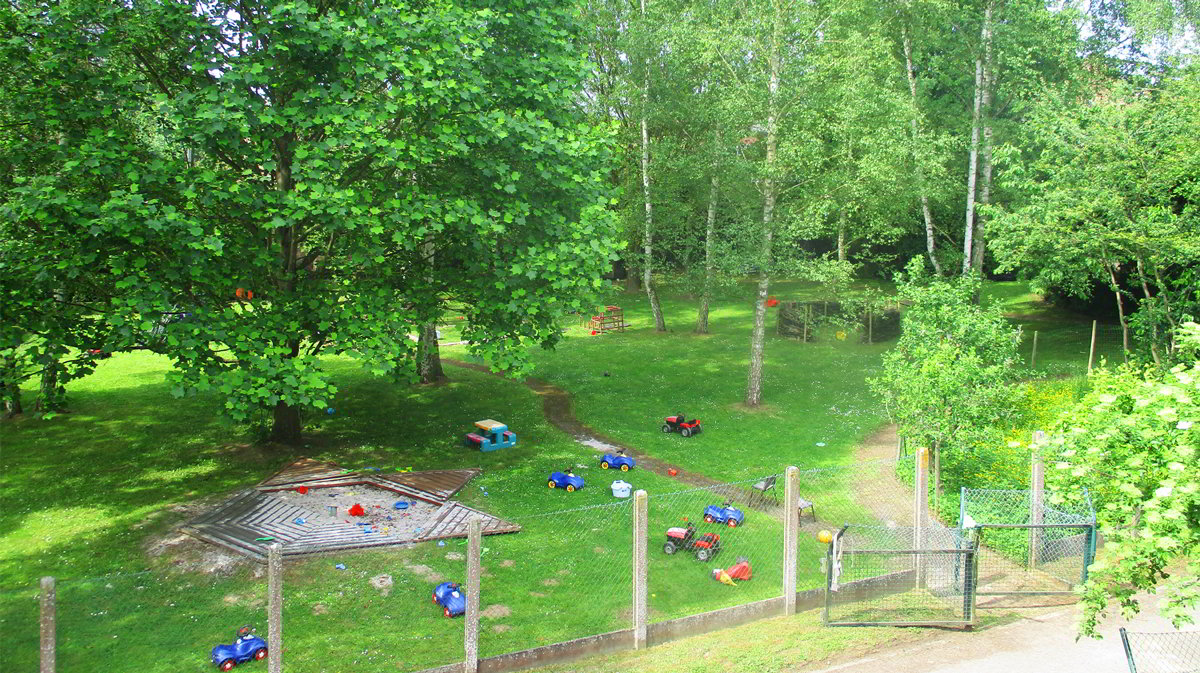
{"x":706,"y":546}
{"x":679,"y":423}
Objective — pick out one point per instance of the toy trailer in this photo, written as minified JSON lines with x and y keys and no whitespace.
{"x":493,"y":435}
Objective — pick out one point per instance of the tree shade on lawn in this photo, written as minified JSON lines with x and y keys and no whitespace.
{"x":295,"y":151}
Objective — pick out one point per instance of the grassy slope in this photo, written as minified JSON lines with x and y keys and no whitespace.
{"x":82,"y":494}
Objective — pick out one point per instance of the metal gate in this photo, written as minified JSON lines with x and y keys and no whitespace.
{"x":899,"y":576}
{"x":1026,"y":546}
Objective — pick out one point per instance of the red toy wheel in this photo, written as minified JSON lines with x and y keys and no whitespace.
{"x":708,"y":518}
{"x":570,"y":488}
{"x":446,"y":611}
{"x":260,"y":654}
{"x":551,"y":484}
{"x":732,"y":523}
{"x":227,"y":665}
{"x":604,"y":465}
{"x":434,"y":599}
{"x":624,"y":468}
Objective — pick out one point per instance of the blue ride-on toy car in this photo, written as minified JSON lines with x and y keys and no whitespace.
{"x":245,"y":647}
{"x":451,"y":597}
{"x":726,"y":514}
{"x":492,"y":435}
{"x":617,"y":461}
{"x":566,"y":480}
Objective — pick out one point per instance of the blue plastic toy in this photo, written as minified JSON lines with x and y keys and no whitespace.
{"x":617,"y":461}
{"x":726,"y":514}
{"x":451,"y":597}
{"x":495,"y":435}
{"x":246,"y":647}
{"x":566,"y":480}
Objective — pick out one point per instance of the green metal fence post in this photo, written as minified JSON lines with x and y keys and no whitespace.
{"x":1128,"y":652}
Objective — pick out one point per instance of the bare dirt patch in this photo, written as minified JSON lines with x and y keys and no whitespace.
{"x":424,"y":572}
{"x":495,"y":611}
{"x":507,"y":563}
{"x":550,"y":582}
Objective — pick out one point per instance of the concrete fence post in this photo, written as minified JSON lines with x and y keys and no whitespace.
{"x":791,"y":536}
{"x":474,"y":570}
{"x":920,"y":509}
{"x":1037,"y":486}
{"x":48,"y":629}
{"x":641,"y":568}
{"x":274,"y":608}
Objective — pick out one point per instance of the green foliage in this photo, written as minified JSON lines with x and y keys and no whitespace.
{"x":947,"y":380}
{"x":306,"y":153}
{"x":1132,"y":441}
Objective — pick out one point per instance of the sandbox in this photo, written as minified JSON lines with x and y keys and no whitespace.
{"x":309,"y":507}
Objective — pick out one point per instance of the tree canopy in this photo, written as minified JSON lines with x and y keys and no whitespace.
{"x":248,"y":185}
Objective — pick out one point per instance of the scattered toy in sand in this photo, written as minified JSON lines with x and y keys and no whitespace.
{"x":302,"y":490}
{"x":357,"y":509}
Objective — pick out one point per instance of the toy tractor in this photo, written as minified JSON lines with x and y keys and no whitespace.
{"x":726,"y":514}
{"x":705,"y":547}
{"x":246,"y":647}
{"x":679,"y":423}
{"x":617,"y":461}
{"x":492,"y":435}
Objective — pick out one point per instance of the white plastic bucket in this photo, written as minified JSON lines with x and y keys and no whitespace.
{"x":622,"y":489}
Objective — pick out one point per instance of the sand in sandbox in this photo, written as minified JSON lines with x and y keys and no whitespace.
{"x":378,"y":505}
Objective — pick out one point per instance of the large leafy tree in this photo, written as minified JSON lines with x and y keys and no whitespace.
{"x":946,"y":383}
{"x":1111,"y":186}
{"x":1132,"y":441}
{"x":272,"y":180}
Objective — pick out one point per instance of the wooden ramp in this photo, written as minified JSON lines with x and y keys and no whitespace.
{"x":241,"y":522}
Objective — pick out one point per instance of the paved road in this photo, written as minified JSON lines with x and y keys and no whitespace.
{"x":1040,"y":642}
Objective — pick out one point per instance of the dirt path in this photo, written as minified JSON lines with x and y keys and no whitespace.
{"x":556,"y":407}
{"x":888,"y":498}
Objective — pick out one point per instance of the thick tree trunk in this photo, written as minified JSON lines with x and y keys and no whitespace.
{"x":973,"y":160}
{"x":758,"y":336}
{"x":660,"y":325}
{"x":50,"y":392}
{"x":709,"y":229}
{"x":429,"y":360}
{"x":926,"y":213}
{"x":285,"y":426}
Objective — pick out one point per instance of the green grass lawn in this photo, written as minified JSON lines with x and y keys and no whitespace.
{"x":85,"y":496}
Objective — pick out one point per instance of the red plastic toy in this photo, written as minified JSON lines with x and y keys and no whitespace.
{"x":357,"y":510}
{"x":679,"y":423}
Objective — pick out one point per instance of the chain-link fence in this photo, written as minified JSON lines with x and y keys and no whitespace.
{"x":714,"y":547}
{"x":900,"y":575}
{"x":166,"y":622}
{"x":566,"y":575}
{"x":1028,"y":546}
{"x":1067,"y":349}
{"x":373,"y":610}
{"x":1171,"y":652}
